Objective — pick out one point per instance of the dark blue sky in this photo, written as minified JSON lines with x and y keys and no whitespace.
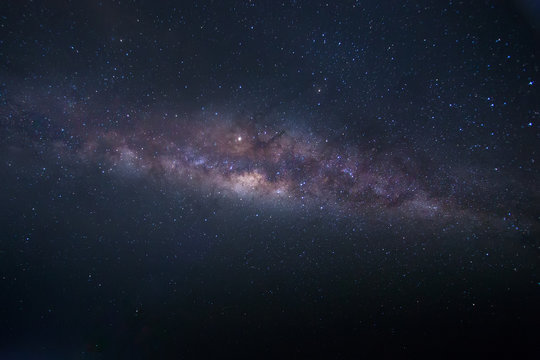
{"x":280,"y":178}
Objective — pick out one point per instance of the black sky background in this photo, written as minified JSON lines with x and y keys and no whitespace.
{"x":102,"y":265}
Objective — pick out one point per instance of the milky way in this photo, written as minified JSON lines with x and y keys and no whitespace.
{"x":288,"y":166}
{"x":271,"y":165}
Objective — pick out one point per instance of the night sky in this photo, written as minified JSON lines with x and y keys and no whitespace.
{"x":269,"y":179}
